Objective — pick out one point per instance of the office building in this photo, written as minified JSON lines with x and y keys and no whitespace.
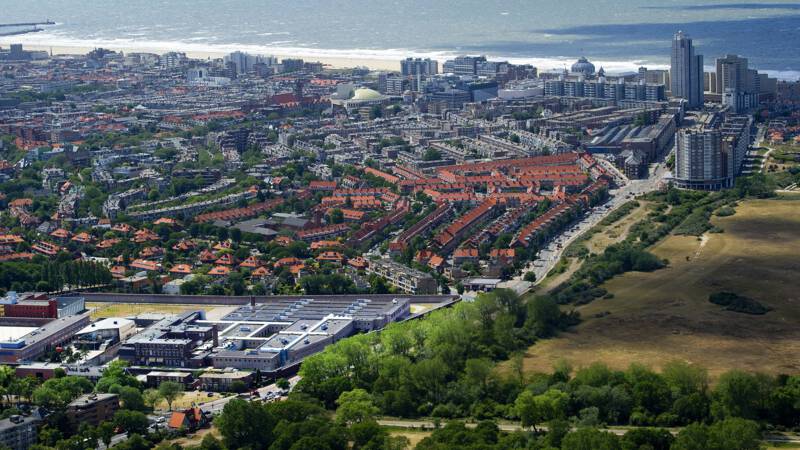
{"x":686,"y":71}
{"x":418,"y":67}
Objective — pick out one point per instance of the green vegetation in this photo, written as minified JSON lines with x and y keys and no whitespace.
{"x":738,"y":303}
{"x":44,"y":275}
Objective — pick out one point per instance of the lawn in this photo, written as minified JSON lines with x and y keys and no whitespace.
{"x":665,"y":315}
{"x":102,"y":309}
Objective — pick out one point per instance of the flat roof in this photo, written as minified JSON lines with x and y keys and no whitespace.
{"x":10,"y":334}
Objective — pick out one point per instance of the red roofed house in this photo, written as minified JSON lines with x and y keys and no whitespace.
{"x":464,"y":255}
{"x":143,"y":264}
{"x":436,"y":263}
{"x":225,"y":260}
{"x":207,"y":256}
{"x":181,"y":269}
{"x":334,"y":257}
{"x":219,"y":271}
{"x":251,"y":262}
{"x":189,"y":419}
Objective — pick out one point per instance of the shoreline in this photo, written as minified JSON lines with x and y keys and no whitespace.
{"x":331,"y":61}
{"x":378,"y":60}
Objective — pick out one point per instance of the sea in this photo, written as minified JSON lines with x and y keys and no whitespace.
{"x":619,"y":35}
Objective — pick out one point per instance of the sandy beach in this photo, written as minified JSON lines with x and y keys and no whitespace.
{"x":331,"y":62}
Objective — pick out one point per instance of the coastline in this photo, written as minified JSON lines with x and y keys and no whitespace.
{"x":378,"y":60}
{"x":330,"y":61}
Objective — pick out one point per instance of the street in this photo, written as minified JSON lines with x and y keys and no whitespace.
{"x":548,"y":257}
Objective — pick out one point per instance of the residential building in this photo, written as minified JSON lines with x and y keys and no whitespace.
{"x":92,"y":408}
{"x":686,"y":71}
{"x":408,"y":280}
{"x":19,"y":432}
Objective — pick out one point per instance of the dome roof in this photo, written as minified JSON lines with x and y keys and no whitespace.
{"x":366,"y":94}
{"x":583,"y":66}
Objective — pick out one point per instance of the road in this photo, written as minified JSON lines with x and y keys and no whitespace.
{"x":548,"y":257}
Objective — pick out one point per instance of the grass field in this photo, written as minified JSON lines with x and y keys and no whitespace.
{"x":413,"y":436}
{"x":665,"y":315}
{"x":101,"y":309}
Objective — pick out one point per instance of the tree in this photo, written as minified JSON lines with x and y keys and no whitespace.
{"x":244,"y":424}
{"x":336,"y":215}
{"x":170,"y":391}
{"x":728,"y":434}
{"x":236,"y":235}
{"x":737,"y":395}
{"x":590,"y":439}
{"x":283,"y":384}
{"x":151,"y":397}
{"x":105,"y":431}
{"x":526,"y":408}
{"x":131,"y":421}
{"x":355,"y":406}
{"x":131,"y":397}
{"x":650,"y":438}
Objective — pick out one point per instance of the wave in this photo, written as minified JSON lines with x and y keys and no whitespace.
{"x":194,"y":47}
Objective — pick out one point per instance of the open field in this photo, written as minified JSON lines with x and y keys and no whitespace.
{"x":195,"y":439}
{"x":413,"y":436}
{"x":102,"y":309}
{"x":664,"y":315}
{"x":188,"y":399}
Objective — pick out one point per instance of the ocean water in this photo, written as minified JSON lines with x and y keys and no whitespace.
{"x":617,"y":34}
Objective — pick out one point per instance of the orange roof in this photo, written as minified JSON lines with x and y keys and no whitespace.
{"x":143,"y":264}
{"x":165,"y":221}
{"x":330,"y":256}
{"x":219,"y":271}
{"x":177,"y":420}
{"x":260,"y":272}
{"x":283,"y":240}
{"x":358,"y":262}
{"x":466,"y":253}
{"x":322,"y":244}
{"x":225,"y":260}
{"x":207,"y":256}
{"x":251,"y":262}
{"x":182,"y":269}
{"x":224,"y":245}
{"x":7,"y":239}
{"x":82,"y":237}
{"x":122,"y":228}
{"x":118,"y":271}
{"x":107,"y":243}
{"x":60,"y":233}
{"x":436,"y":261}
{"x":297,"y":268}
{"x":288,"y":261}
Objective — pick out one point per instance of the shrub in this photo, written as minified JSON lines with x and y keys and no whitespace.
{"x":738,"y":303}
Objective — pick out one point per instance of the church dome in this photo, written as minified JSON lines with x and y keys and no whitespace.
{"x":583,"y":66}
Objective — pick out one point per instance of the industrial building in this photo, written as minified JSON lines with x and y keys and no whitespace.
{"x":23,"y":342}
{"x":269,"y":336}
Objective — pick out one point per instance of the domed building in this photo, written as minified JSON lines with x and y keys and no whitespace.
{"x":362,"y":99}
{"x":583,"y":66}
